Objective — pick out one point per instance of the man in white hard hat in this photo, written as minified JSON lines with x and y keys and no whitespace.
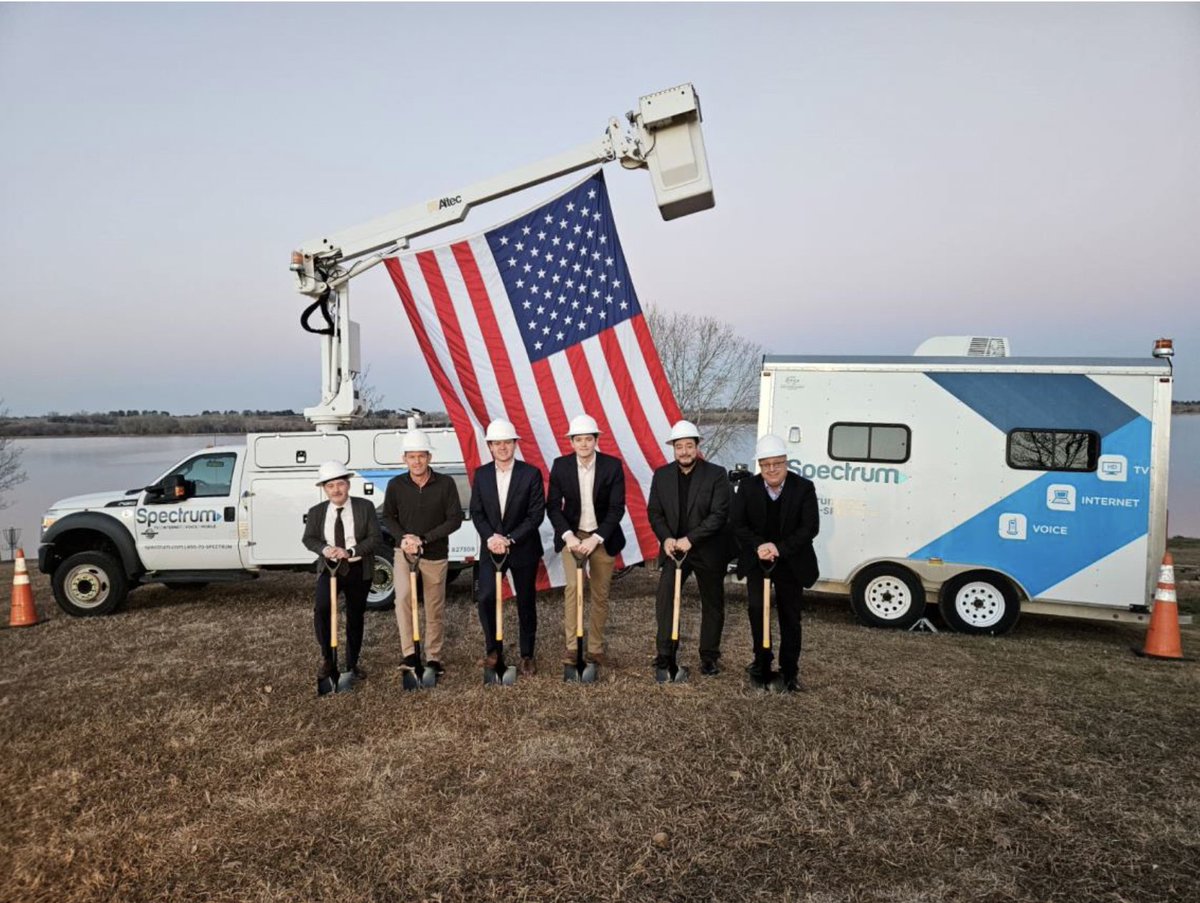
{"x":689,"y":513}
{"x":337,"y":530}
{"x":508,"y":505}
{"x":585,"y":503}
{"x":421,"y":509}
{"x":775,"y":519}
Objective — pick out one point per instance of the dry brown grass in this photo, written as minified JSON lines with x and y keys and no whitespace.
{"x":177,"y":751}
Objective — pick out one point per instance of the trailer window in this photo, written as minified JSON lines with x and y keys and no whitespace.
{"x":1053,"y":449}
{"x":869,"y":442}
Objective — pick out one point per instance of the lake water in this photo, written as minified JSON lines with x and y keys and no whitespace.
{"x":57,"y":468}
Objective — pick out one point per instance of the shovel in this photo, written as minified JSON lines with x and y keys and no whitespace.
{"x":673,"y":673}
{"x":501,"y":675}
{"x":344,"y":681}
{"x":767,"y":679}
{"x":428,"y":676}
{"x":581,"y":671}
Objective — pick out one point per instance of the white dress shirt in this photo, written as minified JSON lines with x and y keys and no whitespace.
{"x":347,"y":523}
{"x":587,"y":488}
{"x":503,"y":479}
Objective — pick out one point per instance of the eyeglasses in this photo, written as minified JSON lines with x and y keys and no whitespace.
{"x":772,"y":465}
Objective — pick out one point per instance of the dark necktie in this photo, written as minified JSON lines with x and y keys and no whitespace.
{"x":339,"y":531}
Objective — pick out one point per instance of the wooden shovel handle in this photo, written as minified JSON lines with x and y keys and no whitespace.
{"x":675,"y":616}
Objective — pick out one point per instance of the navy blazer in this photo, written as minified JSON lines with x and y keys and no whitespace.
{"x":799,"y":523}
{"x":706,"y":520}
{"x":524,"y":511}
{"x":608,"y":498}
{"x":367,"y":541}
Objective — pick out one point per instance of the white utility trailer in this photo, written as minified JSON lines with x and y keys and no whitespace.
{"x":988,"y":484}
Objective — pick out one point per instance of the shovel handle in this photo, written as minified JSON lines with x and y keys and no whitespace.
{"x":333,"y":610}
{"x":578,"y":598}
{"x":413,"y":563}
{"x":766,"y":624}
{"x":498,"y":564}
{"x":675,"y":616}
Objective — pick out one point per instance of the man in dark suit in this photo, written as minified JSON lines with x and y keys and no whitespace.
{"x":508,"y":505}
{"x":775,"y":520}
{"x":689,"y":510}
{"x":586,"y":503}
{"x":337,"y":530}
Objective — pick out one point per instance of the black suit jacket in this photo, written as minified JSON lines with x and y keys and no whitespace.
{"x":524,"y":510}
{"x":705,"y":521}
{"x":367,"y":538}
{"x":799,"y":523}
{"x":608,"y":498}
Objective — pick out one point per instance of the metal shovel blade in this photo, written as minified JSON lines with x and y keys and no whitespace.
{"x":589,"y":673}
{"x":680,"y":676}
{"x":490,"y":677}
{"x":429,"y":678}
{"x":325,"y":686}
{"x":571,"y":674}
{"x":409,"y":678}
{"x":662,"y":675}
{"x":345,"y":682}
{"x":509,"y":677}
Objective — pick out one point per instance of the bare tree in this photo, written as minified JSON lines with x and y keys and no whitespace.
{"x":713,"y":371}
{"x":371,"y":398}
{"x":10,"y":461}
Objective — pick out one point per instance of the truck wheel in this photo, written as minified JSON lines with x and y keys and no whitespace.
{"x":383,"y":585}
{"x":887,"y":595}
{"x":90,"y":583}
{"x":979,"y":602}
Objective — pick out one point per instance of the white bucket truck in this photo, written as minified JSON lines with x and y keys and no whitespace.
{"x":229,"y":513}
{"x":987,"y":484}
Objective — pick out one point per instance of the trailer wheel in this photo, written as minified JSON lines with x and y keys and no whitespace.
{"x":979,"y":602}
{"x":383,"y":584}
{"x":89,"y":583}
{"x":887,"y":595}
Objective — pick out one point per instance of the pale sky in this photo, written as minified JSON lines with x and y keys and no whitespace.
{"x":883,"y":173}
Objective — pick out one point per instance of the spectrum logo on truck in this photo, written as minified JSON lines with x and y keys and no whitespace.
{"x":847,"y":473}
{"x":152,"y":516}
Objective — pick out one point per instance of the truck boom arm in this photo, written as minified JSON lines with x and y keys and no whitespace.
{"x":664,"y":138}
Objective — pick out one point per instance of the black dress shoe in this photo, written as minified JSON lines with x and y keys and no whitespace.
{"x":793,"y":685}
{"x":436,"y":666}
{"x":710,"y":669}
{"x":360,"y":673}
{"x":325,"y":672}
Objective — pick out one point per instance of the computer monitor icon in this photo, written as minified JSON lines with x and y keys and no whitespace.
{"x":1111,"y":467}
{"x":1061,"y":497}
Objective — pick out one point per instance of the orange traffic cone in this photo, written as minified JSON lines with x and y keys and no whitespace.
{"x":1162,"y":638}
{"x":24,"y":612}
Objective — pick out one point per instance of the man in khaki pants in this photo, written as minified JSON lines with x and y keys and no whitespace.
{"x":421,"y":509}
{"x":585,"y":503}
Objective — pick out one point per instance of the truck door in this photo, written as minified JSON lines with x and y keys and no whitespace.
{"x":198,"y":531}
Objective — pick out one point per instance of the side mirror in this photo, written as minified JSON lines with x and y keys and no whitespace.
{"x":171,"y":489}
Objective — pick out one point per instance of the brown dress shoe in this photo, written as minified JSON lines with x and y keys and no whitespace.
{"x":597,"y":658}
{"x":360,"y":673}
{"x":528,"y":666}
{"x":491,"y":660}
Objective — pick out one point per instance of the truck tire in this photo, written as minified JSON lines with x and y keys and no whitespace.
{"x":90,"y":583}
{"x":888,"y":595}
{"x":980,"y":602}
{"x":383,"y":584}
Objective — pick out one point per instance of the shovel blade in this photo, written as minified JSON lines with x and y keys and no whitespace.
{"x":429,"y":678}
{"x":662,"y":675}
{"x":571,"y":674}
{"x":410,"y":680}
{"x":345,"y":682}
{"x":589,"y":673}
{"x":490,"y":677}
{"x":325,"y":686}
{"x":509,"y":678}
{"x":680,"y":676}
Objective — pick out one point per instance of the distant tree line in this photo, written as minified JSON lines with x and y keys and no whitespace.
{"x":163,"y":423}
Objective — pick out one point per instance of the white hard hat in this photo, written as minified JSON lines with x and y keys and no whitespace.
{"x":582,"y":425}
{"x":684,"y":429}
{"x":500,"y":429}
{"x":333,"y":470}
{"x":769,"y":446}
{"x":416,"y":441}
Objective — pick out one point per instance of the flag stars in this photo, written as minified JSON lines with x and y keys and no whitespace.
{"x":578,"y":228}
{"x":604,"y":241}
{"x":588,"y":310}
{"x":549,"y":218}
{"x":540,"y":310}
{"x":592,"y":194}
{"x":512,"y":261}
{"x":591,"y":233}
{"x":548,"y":294}
{"x":541,"y":274}
{"x":604,"y":277}
{"x":608,"y":261}
{"x":574,"y":305}
{"x":582,"y":325}
{"x":570,"y":207}
{"x":536,"y":252}
{"x":555,"y":278}
{"x":616,"y":283}
{"x":583,"y":211}
{"x":553,"y":315}
{"x":603,"y":315}
{"x":577,"y":267}
{"x":537,"y":346}
{"x":562,"y":224}
{"x":549,"y":257}
{"x":624,"y":305}
{"x":524,"y":231}
{"x":527,"y":305}
{"x":588,"y":272}
{"x":555,"y":241}
{"x":528,"y":267}
{"x":595,"y":255}
{"x":545,"y":330}
{"x":520,"y":246}
{"x":568,"y":321}
{"x":607,"y":300}
{"x":559,"y":336}
{"x":503,"y":239}
{"x":595,"y":293}
{"x":562,"y":299}
{"x":542,"y":235}
{"x":570,"y":246}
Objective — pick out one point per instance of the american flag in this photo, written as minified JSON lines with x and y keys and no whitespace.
{"x":536,"y":321}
